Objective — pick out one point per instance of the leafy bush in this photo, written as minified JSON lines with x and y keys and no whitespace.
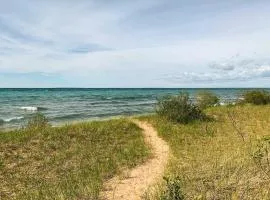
{"x":179,"y":109}
{"x":257,"y":97}
{"x":38,"y":121}
{"x":206,"y":99}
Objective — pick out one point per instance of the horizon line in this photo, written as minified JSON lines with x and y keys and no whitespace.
{"x":135,"y":88}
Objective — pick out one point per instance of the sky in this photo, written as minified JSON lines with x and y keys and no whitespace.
{"x":142,"y":43}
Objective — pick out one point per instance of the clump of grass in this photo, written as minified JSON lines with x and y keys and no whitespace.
{"x":172,"y":189}
{"x":229,"y":163}
{"x":179,"y":109}
{"x":257,"y":97}
{"x":261,"y":155}
{"x":38,"y":121}
{"x":69,"y":162}
{"x":205,"y":99}
{"x":169,"y":189}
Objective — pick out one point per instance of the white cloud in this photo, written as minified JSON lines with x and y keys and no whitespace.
{"x":80,"y":38}
{"x":239,"y":73}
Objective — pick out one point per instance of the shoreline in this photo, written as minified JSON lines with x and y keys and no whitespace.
{"x":74,"y":122}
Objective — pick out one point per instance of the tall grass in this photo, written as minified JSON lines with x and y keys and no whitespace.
{"x":205,"y":99}
{"x":38,"y":121}
{"x":69,"y":162}
{"x":223,"y":159}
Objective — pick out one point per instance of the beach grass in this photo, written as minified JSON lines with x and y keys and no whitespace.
{"x":225,"y":158}
{"x":68,"y":162}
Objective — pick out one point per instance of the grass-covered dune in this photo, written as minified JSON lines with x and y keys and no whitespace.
{"x":217,"y":152}
{"x":69,"y":162}
{"x":224,"y":158}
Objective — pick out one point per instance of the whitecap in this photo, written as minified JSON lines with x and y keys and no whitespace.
{"x":8,"y":120}
{"x":29,"y":108}
{"x":12,"y":119}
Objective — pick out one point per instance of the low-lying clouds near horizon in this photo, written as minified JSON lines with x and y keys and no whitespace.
{"x":153,"y":43}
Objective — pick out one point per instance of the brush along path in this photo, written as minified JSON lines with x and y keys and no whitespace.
{"x":138,"y":180}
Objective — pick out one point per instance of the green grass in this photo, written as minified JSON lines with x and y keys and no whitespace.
{"x":69,"y":162}
{"x":220,"y":159}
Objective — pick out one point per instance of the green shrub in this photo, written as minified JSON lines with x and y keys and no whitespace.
{"x":179,"y":109}
{"x":38,"y":121}
{"x":257,"y":97}
{"x":206,"y":99}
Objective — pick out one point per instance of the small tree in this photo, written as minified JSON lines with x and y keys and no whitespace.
{"x":179,"y":109}
{"x":257,"y":97}
{"x":38,"y":121}
{"x":206,"y":99}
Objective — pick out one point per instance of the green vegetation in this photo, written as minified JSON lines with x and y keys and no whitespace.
{"x":179,"y":109}
{"x":261,"y":154}
{"x":172,"y":189}
{"x":223,"y":159}
{"x":205,"y":99}
{"x":69,"y":162}
{"x":257,"y":97}
{"x":38,"y":121}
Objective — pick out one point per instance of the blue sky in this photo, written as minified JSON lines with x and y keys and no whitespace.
{"x":142,"y":43}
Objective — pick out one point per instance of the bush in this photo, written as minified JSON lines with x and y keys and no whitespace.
{"x":206,"y":99}
{"x":179,"y":109}
{"x":38,"y":121}
{"x":257,"y":97}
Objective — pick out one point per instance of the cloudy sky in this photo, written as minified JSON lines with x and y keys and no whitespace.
{"x":128,"y":43}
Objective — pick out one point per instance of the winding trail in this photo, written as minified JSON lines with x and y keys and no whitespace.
{"x":140,"y":178}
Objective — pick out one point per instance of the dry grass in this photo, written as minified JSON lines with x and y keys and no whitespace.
{"x":69,"y":162}
{"x":227,"y":158}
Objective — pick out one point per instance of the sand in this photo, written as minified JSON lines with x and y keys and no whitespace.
{"x":139,"y":179}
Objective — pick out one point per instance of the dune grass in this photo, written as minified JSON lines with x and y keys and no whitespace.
{"x":227,"y":158}
{"x":69,"y":162}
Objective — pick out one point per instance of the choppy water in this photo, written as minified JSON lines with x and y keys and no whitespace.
{"x":66,"y":105}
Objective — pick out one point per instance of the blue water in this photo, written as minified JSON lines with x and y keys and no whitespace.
{"x":67,"y":105}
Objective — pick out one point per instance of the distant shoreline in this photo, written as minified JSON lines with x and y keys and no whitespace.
{"x":124,"y":88}
{"x":74,"y":122}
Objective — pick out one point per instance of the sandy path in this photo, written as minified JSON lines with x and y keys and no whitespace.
{"x":138,"y":180}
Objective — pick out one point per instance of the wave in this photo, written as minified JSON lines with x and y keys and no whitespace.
{"x":32,"y":108}
{"x":68,"y":116}
{"x":139,"y":97}
{"x":12,"y":119}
